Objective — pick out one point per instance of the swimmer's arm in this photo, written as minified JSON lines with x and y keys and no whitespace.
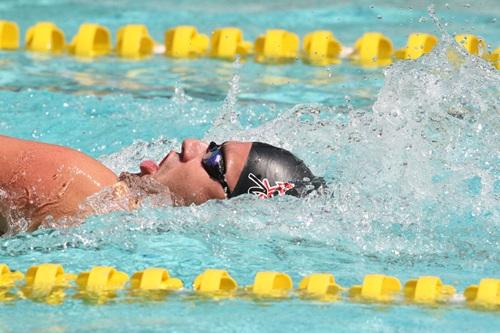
{"x":49,"y":180}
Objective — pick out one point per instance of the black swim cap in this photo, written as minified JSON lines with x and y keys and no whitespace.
{"x":271,"y":171}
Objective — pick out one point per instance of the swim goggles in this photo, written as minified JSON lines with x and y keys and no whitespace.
{"x":214,"y":164}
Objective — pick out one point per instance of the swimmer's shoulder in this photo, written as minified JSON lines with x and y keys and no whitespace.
{"x":43,"y":179}
{"x":42,"y":159}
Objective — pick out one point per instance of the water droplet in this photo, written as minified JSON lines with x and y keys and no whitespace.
{"x":379,"y":17}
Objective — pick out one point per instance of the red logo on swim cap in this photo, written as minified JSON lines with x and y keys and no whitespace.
{"x":264,"y":189}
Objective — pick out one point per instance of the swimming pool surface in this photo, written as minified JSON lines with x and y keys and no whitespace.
{"x":410,"y":153}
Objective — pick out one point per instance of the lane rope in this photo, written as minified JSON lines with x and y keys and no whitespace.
{"x":274,"y":46}
{"x":49,"y":282}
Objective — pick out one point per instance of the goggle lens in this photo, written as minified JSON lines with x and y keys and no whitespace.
{"x":214,"y":164}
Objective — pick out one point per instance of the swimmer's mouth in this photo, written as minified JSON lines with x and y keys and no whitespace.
{"x":171,"y":155}
{"x":149,"y":167}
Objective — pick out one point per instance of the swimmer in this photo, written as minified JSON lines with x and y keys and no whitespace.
{"x":42,"y":182}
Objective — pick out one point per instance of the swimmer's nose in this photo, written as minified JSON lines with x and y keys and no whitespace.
{"x":192,"y":148}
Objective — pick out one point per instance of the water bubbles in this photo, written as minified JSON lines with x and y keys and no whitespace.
{"x":35,"y":134}
{"x":431,"y":9}
{"x":329,"y":70}
{"x":348,"y":103}
{"x":180,"y":97}
{"x":227,"y":122}
{"x":380,"y":17}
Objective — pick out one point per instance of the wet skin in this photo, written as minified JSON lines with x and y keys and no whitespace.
{"x":39,"y":180}
{"x":186,"y":178}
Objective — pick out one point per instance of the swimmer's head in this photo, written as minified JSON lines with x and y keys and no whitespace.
{"x":202,"y":171}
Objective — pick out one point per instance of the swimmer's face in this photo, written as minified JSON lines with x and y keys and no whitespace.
{"x":182,"y":172}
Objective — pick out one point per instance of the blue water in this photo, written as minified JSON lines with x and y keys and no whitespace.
{"x":411,"y":155}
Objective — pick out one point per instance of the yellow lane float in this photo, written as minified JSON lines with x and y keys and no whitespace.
{"x":9,"y":35}
{"x":134,"y":42}
{"x":473,"y":44}
{"x":495,"y":58}
{"x":154,"y":279}
{"x":45,"y":277}
{"x":215,"y":281}
{"x":417,"y":45}
{"x":373,"y":49}
{"x":320,"y":285}
{"x":321,"y":48}
{"x":486,"y":294}
{"x":46,"y":282}
{"x":45,"y":37}
{"x":271,"y":284}
{"x":8,"y":280}
{"x":185,"y":42}
{"x":91,"y":40}
{"x":228,"y":43}
{"x":101,"y":279}
{"x":428,"y":289}
{"x":7,"y":277}
{"x":276,"y":46}
{"x":376,"y":287}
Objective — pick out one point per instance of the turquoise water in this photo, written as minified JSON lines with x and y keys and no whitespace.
{"x":411,"y":154}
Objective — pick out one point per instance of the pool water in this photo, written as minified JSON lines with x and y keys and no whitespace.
{"x":410,"y":153}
